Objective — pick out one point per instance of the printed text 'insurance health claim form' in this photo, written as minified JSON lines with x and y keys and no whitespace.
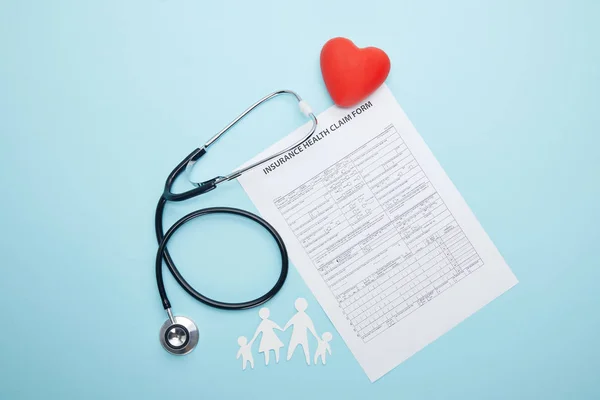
{"x":378,"y":231}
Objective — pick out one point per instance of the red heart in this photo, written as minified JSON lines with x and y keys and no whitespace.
{"x":351,"y":74}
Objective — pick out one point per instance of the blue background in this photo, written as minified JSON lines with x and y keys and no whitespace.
{"x":99,"y":100}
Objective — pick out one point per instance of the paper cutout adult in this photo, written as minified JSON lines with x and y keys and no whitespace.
{"x":301,"y":323}
{"x":245,"y":352}
{"x":269,"y":340}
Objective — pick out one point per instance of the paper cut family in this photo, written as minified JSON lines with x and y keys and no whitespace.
{"x":301,"y":324}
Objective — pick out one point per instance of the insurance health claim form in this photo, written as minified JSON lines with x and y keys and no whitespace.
{"x":378,"y":231}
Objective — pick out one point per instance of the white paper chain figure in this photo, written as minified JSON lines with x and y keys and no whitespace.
{"x":300,"y":323}
{"x":245,"y":352}
{"x":269,"y":340}
{"x":323,"y":347}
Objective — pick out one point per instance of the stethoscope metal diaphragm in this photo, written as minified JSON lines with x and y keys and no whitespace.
{"x":179,"y":335}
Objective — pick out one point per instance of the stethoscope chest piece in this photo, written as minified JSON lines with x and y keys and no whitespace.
{"x":179,"y":335}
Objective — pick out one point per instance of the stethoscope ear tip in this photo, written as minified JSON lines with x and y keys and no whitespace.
{"x":179,"y":335}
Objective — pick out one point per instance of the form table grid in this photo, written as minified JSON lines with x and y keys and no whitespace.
{"x":379,"y":234}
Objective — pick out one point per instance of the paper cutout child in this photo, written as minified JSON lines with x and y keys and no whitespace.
{"x":269,"y":340}
{"x":323,"y":347}
{"x":302,"y":323}
{"x":245,"y":352}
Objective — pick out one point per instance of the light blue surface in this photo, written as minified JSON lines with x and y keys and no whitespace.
{"x":99,"y":100}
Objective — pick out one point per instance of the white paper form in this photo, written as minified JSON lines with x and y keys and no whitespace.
{"x":378,"y":231}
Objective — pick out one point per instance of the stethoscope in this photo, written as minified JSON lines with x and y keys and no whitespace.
{"x":179,"y":335}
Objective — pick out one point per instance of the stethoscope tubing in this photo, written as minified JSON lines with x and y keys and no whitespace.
{"x":163,"y":253}
{"x":163,"y":238}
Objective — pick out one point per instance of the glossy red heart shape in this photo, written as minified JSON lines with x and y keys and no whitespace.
{"x":350,"y":73}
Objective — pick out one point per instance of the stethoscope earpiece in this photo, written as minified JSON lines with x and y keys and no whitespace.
{"x":178,"y":335}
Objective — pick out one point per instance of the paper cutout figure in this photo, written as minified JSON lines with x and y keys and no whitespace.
{"x":245,"y":352}
{"x":269,"y":340}
{"x":323,"y":347}
{"x":301,"y":323}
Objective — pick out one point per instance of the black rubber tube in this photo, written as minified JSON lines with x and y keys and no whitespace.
{"x":163,"y":254}
{"x":163,"y":238}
